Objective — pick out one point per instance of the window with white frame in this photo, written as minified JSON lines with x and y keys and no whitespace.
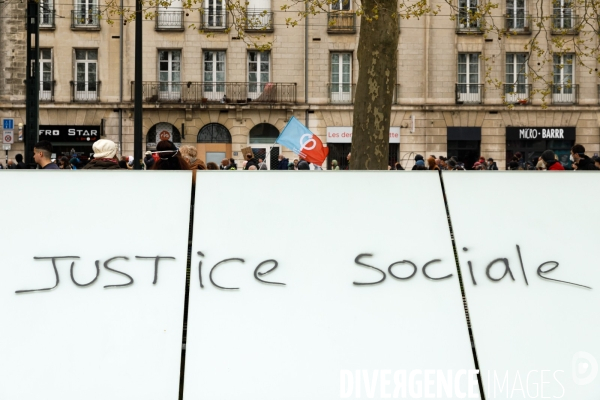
{"x":169,"y":74}
{"x":46,"y":82}
{"x":259,"y":73}
{"x":563,"y":88}
{"x":562,"y":14}
{"x":341,"y":77}
{"x":86,"y":75}
{"x":215,"y":14}
{"x":258,"y":15}
{"x":467,"y":14}
{"x":170,"y":17}
{"x":46,"y":13}
{"x":341,"y":5}
{"x":468,"y":89}
{"x":516,"y":88}
{"x":86,"y":13}
{"x":214,"y":75}
{"x":516,"y":14}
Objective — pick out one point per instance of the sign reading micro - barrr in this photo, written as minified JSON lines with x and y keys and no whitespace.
{"x":540,"y":133}
{"x":70,"y":133}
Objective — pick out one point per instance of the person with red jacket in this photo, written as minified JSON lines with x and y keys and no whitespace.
{"x":551,"y":162}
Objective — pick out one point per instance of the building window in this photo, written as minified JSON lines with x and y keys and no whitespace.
{"x":516,"y":15}
{"x":259,"y":74}
{"x":341,"y":5}
{"x":563,"y":17}
{"x":86,"y":14}
{"x":467,"y":15}
{"x":564,"y":89}
{"x":468,"y":89}
{"x":86,"y":75}
{"x":170,"y":17}
{"x":46,"y":14}
{"x":214,"y":15}
{"x":214,"y":76}
{"x":341,"y":78}
{"x":169,"y":74}
{"x":259,"y":16}
{"x":46,"y":82}
{"x":516,"y":89}
{"x":341,"y":18}
{"x":214,"y":133}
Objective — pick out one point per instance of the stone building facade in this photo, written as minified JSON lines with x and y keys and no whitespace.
{"x":216,"y":92}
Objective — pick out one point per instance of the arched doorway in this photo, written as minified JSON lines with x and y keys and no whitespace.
{"x":213,"y":143}
{"x":262,"y":139}
{"x":162,"y":131}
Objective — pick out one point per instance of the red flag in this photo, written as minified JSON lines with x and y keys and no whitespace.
{"x":314,"y":151}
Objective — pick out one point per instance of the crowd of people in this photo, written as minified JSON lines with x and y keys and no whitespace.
{"x":168,"y":157}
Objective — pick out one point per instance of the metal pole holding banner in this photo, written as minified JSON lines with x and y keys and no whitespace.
{"x":32,"y":96}
{"x":137,"y":118}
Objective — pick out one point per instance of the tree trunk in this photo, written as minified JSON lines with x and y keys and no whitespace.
{"x":377,"y":49}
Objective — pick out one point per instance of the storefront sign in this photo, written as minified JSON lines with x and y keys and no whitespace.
{"x":545,"y":133}
{"x":69,"y":133}
{"x":343,"y":134}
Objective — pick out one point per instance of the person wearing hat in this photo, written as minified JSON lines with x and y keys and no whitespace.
{"x":419,"y":165}
{"x":148,"y":160}
{"x":551,"y":162}
{"x":418,"y":158}
{"x":105,"y":155}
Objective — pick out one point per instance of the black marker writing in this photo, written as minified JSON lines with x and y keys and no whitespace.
{"x":200,"y":270}
{"x":356,"y":260}
{"x":430,"y":277}
{"x":118,"y":272}
{"x":403,"y":262}
{"x":256,"y":273}
{"x":506,"y":269}
{"x":55,"y":272}
{"x":93,"y":280}
{"x":522,"y":266}
{"x":216,"y":265}
{"x":156,"y":260}
{"x":540,"y":271}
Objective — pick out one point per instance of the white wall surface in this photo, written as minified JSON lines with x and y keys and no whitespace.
{"x":92,"y":343}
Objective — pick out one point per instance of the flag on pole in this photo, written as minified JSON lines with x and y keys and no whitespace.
{"x":303,"y":142}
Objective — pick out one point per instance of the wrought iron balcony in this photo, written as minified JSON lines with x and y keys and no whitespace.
{"x":469,"y":93}
{"x":214,"y":19}
{"x":47,"y":17}
{"x":85,"y":91}
{"x":259,"y":21}
{"x":466,"y":22}
{"x":341,"y":22}
{"x":87,"y":18}
{"x":565,"y":22}
{"x":169,"y":20}
{"x":518,"y":24}
{"x":565,"y":94}
{"x":47,"y":91}
{"x":217,"y":92}
{"x":517,"y":93}
{"x":343,"y":93}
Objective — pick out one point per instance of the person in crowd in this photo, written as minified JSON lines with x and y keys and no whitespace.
{"x":20,"y":163}
{"x":550,"y":161}
{"x":252,"y":168}
{"x":348,"y":157}
{"x":250,"y":160}
{"x":123,"y":164}
{"x":262,"y":165}
{"x":291,"y":167}
{"x":583,"y":162}
{"x":303,"y":164}
{"x":148,"y":160}
{"x":431,"y":164}
{"x":418,"y":158}
{"x":170,"y":157}
{"x":597,"y":162}
{"x":334,"y":165}
{"x":518,"y":157}
{"x":224,"y":164}
{"x":42,"y":151}
{"x":398,"y":166}
{"x":232,"y":164}
{"x":283,"y":163}
{"x":10,"y":164}
{"x":105,"y":155}
{"x":64,"y":163}
{"x":453,"y":165}
{"x":74,"y":161}
{"x":212,"y":166}
{"x":419,"y":166}
{"x":514,"y":166}
{"x":190,"y":154}
{"x":295,"y":164}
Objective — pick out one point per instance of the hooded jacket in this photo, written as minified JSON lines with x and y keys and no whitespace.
{"x":586,"y":163}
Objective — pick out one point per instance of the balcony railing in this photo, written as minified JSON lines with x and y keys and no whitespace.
{"x":341,"y":22}
{"x":517,"y":93}
{"x":169,"y":20}
{"x":214,"y":18}
{"x":47,"y":91}
{"x":565,"y":94}
{"x":85,"y":18}
{"x":47,"y":18}
{"x":565,"y":22}
{"x":85,"y":91}
{"x":518,"y":24}
{"x":467,"y":23}
{"x":469,"y":93}
{"x":259,"y":21}
{"x":217,"y":92}
{"x":343,"y":93}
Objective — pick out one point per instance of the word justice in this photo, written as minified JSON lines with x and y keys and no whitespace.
{"x":97,"y":263}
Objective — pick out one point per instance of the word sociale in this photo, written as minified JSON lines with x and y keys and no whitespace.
{"x":359,"y":261}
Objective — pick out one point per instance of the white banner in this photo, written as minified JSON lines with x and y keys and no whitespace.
{"x":343,"y":134}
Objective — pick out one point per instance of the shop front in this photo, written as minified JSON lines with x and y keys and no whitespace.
{"x":531,"y":142}
{"x":213,"y":143}
{"x":464,"y":143}
{"x":71,"y":140}
{"x":339,"y":142}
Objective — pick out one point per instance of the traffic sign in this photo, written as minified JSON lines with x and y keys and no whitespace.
{"x":8,"y":123}
{"x":8,"y":137}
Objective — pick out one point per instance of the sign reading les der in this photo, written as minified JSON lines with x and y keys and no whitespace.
{"x":343,"y":134}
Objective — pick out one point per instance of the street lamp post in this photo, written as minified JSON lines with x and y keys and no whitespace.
{"x":32,"y":95}
{"x":137,"y":118}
